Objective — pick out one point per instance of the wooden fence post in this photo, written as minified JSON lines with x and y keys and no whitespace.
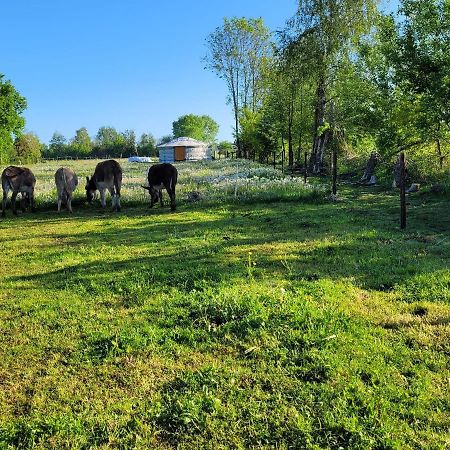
{"x":402,"y":191}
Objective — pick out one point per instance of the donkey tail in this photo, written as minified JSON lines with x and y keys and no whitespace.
{"x":65,"y":185}
{"x":117,"y":182}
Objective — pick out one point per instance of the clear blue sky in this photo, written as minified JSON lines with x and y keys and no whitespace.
{"x":131,"y":64}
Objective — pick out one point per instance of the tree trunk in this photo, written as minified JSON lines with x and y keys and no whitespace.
{"x":299,"y":155}
{"x":290,"y":125}
{"x":439,"y":152}
{"x":235,"y":94}
{"x":334,"y":170}
{"x":320,"y":141}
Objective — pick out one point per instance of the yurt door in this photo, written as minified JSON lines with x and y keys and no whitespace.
{"x":180,"y":153}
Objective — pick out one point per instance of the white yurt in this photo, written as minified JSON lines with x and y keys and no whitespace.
{"x":184,"y":149}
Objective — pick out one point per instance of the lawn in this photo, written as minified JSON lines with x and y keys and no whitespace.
{"x":262,"y":316}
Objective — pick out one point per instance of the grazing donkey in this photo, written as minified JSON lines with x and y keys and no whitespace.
{"x":159,"y":176}
{"x":18,"y":180}
{"x":66,"y":182}
{"x":107,"y":175}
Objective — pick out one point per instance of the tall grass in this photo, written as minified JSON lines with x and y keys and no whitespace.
{"x":212,"y":181}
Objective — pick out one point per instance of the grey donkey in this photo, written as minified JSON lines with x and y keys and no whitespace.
{"x":66,"y":182}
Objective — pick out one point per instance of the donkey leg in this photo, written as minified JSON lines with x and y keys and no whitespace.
{"x":59,"y":202}
{"x":5,"y":196}
{"x":112,"y":191}
{"x":32,"y":204}
{"x":173,"y":206}
{"x":102,"y":198}
{"x":118,"y":186}
{"x":13,"y":202}
{"x":69,"y":203}
{"x":24,"y":201}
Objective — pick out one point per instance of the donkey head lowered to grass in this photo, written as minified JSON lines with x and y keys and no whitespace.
{"x":107,"y":175}
{"x":161,"y":176}
{"x":18,"y":180}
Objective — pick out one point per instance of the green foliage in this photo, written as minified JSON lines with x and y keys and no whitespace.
{"x":239,"y":52}
{"x":81,"y":145}
{"x":225,"y":146}
{"x":147,"y":145}
{"x":108,"y":143}
{"x":418,"y":53}
{"x":342,"y":69}
{"x":202,"y":128}
{"x":57,"y":146}
{"x":249,"y":122}
{"x":27,"y":149}
{"x":12,"y":106}
{"x":165,"y":139}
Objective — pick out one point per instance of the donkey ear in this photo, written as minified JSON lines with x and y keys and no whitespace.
{"x":147,"y":188}
{"x":87,"y":179}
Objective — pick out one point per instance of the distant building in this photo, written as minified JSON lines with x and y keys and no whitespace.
{"x":183,"y":149}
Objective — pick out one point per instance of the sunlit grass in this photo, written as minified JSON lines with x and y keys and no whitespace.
{"x":236,"y":322}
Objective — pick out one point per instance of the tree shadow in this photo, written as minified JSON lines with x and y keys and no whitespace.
{"x":354,"y":241}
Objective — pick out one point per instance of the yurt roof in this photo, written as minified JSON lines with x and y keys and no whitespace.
{"x":183,"y":142}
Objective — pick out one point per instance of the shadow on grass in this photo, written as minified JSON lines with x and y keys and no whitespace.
{"x":357,"y":241}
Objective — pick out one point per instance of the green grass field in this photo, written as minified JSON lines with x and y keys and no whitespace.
{"x":262,"y":316}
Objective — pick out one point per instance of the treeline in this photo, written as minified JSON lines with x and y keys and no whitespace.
{"x":108,"y":142}
{"x":342,"y":75}
{"x":17,"y":146}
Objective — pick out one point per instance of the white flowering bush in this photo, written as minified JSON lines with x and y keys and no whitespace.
{"x":220,"y":180}
{"x":243,"y":180}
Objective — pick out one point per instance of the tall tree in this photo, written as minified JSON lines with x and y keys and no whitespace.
{"x":109,"y":142}
{"x":81,"y":144}
{"x":57,"y":145}
{"x":203,"y":128}
{"x":421,"y":63}
{"x":106,"y":138}
{"x":27,"y":148}
{"x":329,"y":29}
{"x":129,"y":144}
{"x":238,"y":52}
{"x":147,"y":145}
{"x":165,"y":139}
{"x":12,"y":106}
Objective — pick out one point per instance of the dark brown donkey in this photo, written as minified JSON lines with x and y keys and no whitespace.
{"x":107,"y":175}
{"x":18,"y":180}
{"x":159,"y":176}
